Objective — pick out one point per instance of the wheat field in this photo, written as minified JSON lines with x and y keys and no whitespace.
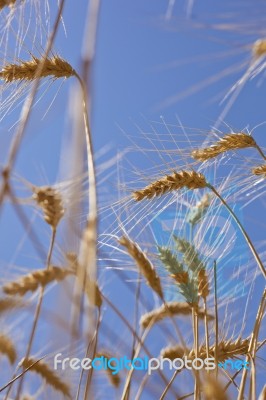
{"x":132,"y":200}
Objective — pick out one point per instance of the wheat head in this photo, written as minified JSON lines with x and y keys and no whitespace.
{"x":113,"y":378}
{"x":260,"y":170}
{"x":5,"y":3}
{"x":259,"y":48}
{"x":51,"y":203}
{"x":7,"y":348}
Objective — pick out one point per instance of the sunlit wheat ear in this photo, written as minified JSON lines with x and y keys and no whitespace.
{"x":200,"y":209}
{"x":229,"y":142}
{"x":213,"y":389}
{"x":94,"y":294}
{"x":176,"y":270}
{"x":55,"y":67}
{"x":38,"y":278}
{"x":7,"y":348}
{"x":9,"y":303}
{"x":170,"y":309}
{"x":260,"y":170}
{"x":51,"y":203}
{"x":227,"y":349}
{"x":114,"y":379}
{"x":49,"y":375}
{"x":203,"y":283}
{"x":144,"y":264}
{"x":169,"y":183}
{"x":6,"y":3}
{"x":259,"y":48}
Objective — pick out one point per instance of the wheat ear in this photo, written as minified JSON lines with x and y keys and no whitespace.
{"x":7,"y":348}
{"x":114,"y":378}
{"x":169,"y":183}
{"x":9,"y":304}
{"x":229,"y":142}
{"x":51,"y":203}
{"x":259,"y":48}
{"x":144,"y":264}
{"x":38,"y":278}
{"x":47,"y":374}
{"x":199,"y":210}
{"x":55,"y":67}
{"x":213,"y":390}
{"x":260,"y":170}
{"x":167,"y":310}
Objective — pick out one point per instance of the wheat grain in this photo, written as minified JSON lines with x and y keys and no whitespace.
{"x":232,"y":141}
{"x":94,"y":294}
{"x":34,"y":280}
{"x":50,"y":201}
{"x":114,"y":378}
{"x":7,"y":348}
{"x":144,"y":264}
{"x":260,"y":170}
{"x":259,"y":48}
{"x":169,"y":183}
{"x":55,"y":67}
{"x":47,"y":374}
{"x":199,"y":210}
{"x":167,"y":310}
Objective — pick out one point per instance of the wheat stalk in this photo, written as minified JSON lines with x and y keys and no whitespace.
{"x":55,"y":67}
{"x":47,"y":374}
{"x":144,"y":264}
{"x":36,"y":279}
{"x":203,"y":283}
{"x":167,"y":310}
{"x":169,"y":183}
{"x":7,"y":348}
{"x":93,"y":293}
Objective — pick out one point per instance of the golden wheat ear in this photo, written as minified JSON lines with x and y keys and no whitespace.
{"x":51,"y":203}
{"x":144,"y":264}
{"x":213,"y":389}
{"x":260,"y":170}
{"x":259,"y":48}
{"x":55,"y":67}
{"x":38,"y":278}
{"x":170,"y":183}
{"x":7,"y":348}
{"x":113,"y":378}
{"x":229,"y":142}
{"x":49,"y":375}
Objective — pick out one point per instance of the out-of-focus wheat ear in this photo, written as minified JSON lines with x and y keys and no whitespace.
{"x":260,"y":170}
{"x":51,"y":203}
{"x":229,"y":142}
{"x":56,"y":67}
{"x":199,"y":210}
{"x":48,"y":374}
{"x":169,"y":183}
{"x":213,"y":390}
{"x":113,"y":378}
{"x":169,"y":309}
{"x":7,"y":3}
{"x":144,"y":264}
{"x":9,"y":304}
{"x":262,"y":395}
{"x":174,"y":352}
{"x":94,"y":294}
{"x":7,"y":348}
{"x":36,"y":279}
{"x":259,"y":48}
{"x":227,"y":349}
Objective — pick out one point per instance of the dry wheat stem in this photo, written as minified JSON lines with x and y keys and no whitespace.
{"x":170,"y":183}
{"x":144,"y":264}
{"x":7,"y":348}
{"x":36,"y":279}
{"x":173,"y":309}
{"x":228,"y":142}
{"x":47,"y":374}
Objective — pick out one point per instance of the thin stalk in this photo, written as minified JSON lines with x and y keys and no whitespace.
{"x":196,"y":350}
{"x":253,"y":343}
{"x":37,"y":312}
{"x":216,"y":318}
{"x":169,"y":385}
{"x":260,"y":151}
{"x":207,"y":341}
{"x":242,"y":229}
